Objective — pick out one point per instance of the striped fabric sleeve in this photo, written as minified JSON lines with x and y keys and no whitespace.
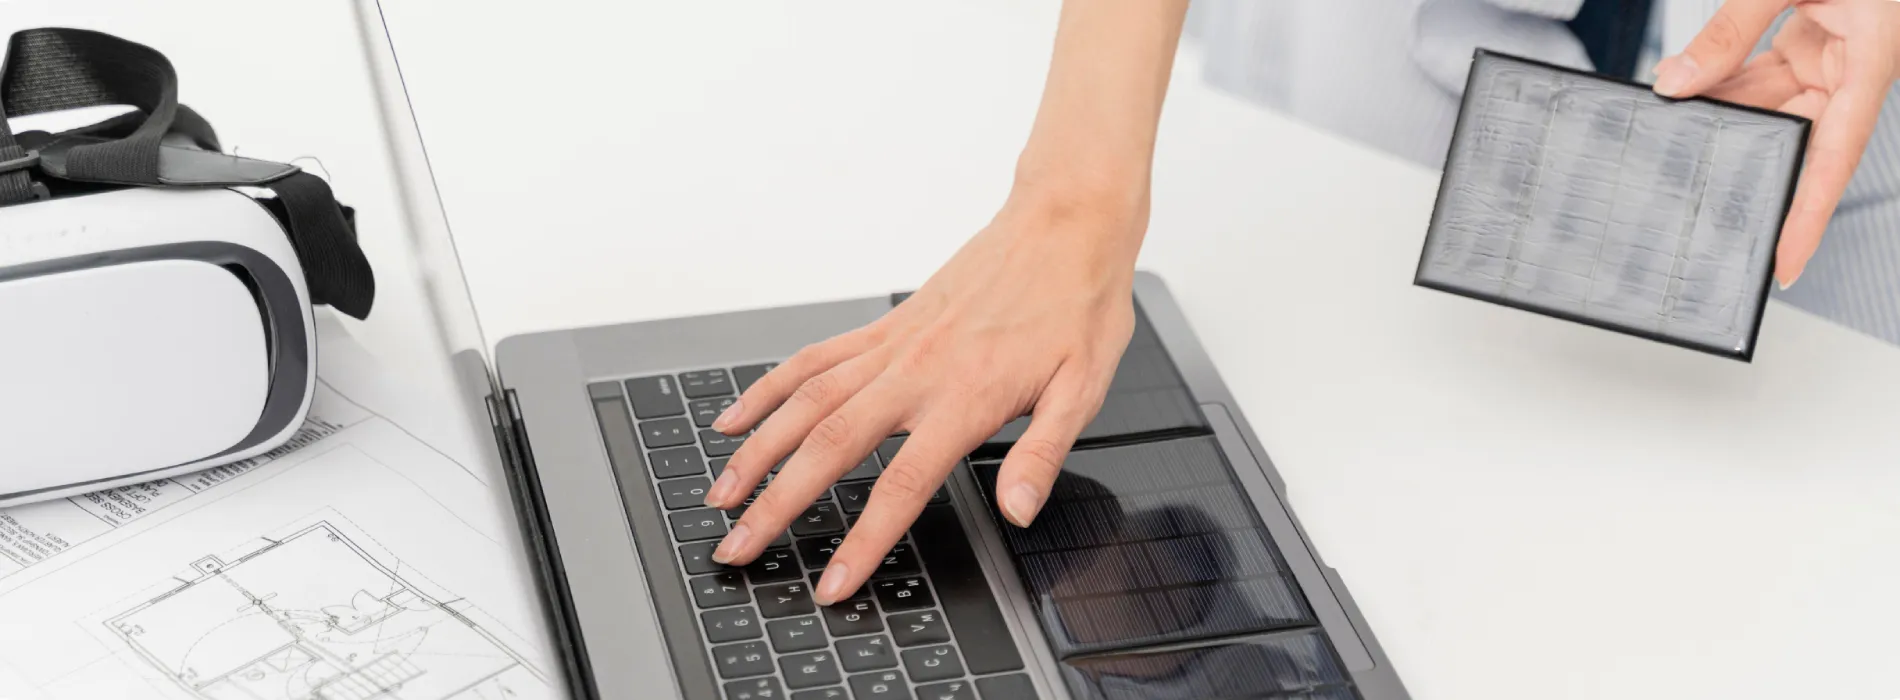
{"x":1551,"y":9}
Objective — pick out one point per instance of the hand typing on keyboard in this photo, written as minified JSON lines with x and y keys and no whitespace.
{"x":1030,"y":317}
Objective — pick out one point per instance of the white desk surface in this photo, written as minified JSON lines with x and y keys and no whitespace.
{"x":1523,"y":508}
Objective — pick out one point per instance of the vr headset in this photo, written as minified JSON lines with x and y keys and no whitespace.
{"x":155,"y":294}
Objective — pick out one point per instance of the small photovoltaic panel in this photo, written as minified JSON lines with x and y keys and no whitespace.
{"x":1296,"y":665}
{"x":1156,"y":544}
{"x":1596,"y":200}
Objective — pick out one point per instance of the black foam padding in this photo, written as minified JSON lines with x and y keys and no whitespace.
{"x":1296,"y":665}
{"x":1146,"y":544}
{"x":1147,"y":398}
{"x":1598,"y":201}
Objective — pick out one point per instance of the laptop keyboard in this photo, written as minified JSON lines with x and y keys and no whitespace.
{"x":926,"y":626}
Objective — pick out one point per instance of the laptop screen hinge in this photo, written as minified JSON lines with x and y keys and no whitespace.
{"x":504,"y":416}
{"x":502,"y":419}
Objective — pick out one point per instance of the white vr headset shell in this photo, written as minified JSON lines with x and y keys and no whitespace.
{"x":146,"y":333}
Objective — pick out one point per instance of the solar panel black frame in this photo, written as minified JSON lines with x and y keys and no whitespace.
{"x":1456,"y":152}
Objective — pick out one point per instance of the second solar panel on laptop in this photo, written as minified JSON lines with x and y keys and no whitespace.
{"x":1595,"y":200}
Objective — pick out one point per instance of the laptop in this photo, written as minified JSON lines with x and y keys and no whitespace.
{"x":1166,"y":562}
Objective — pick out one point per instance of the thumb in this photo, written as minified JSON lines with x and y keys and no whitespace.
{"x":1030,"y":468}
{"x":1719,"y":49}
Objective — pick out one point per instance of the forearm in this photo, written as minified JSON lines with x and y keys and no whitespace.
{"x":1094,"y":134}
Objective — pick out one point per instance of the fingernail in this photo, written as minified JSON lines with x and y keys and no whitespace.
{"x":1674,"y":74}
{"x":831,"y":585}
{"x":722,"y":489}
{"x":1021,"y":504}
{"x":1785,"y":284}
{"x":734,"y":542}
{"x":726,"y":417}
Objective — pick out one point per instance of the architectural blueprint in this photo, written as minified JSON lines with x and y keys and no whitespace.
{"x":315,"y":615}
{"x":358,"y":562}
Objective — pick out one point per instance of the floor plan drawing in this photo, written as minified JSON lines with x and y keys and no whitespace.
{"x":316,"y":616}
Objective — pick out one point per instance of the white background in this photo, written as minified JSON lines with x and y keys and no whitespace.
{"x":1523,"y":508}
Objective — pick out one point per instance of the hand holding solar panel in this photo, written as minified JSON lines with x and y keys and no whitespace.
{"x":1598,"y":201}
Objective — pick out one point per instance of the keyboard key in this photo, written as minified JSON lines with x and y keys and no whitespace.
{"x":900,"y":561}
{"x":730,"y":625}
{"x":907,"y":593}
{"x":720,"y":589}
{"x":817,"y":551}
{"x":711,"y":382}
{"x":926,"y":664}
{"x":882,"y":685}
{"x":718,"y":444}
{"x":654,"y":397}
{"x":887,"y":451}
{"x":821,"y":518}
{"x":685,"y":493}
{"x":774,"y":566}
{"x":739,"y":510}
{"x":741,"y":660}
{"x":786,"y":599}
{"x":867,"y":469}
{"x":854,"y":497}
{"x":846,"y":618}
{"x":1014,"y":686}
{"x":666,"y":432}
{"x":755,"y":689}
{"x":718,"y":466}
{"x":676,"y":462}
{"x":968,"y":604}
{"x":809,"y":669}
{"x":748,"y":374}
{"x":862,"y":593}
{"x":695,"y":525}
{"x":953,"y":690}
{"x":921,"y":627}
{"x":696,"y":558}
{"x":705,"y":411}
{"x":867,"y":653}
{"x":821,"y":694}
{"x":796,"y":634}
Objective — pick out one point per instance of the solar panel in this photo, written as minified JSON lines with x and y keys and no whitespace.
{"x":1147,"y":544}
{"x":1595,"y":200}
{"x":1297,"y":665}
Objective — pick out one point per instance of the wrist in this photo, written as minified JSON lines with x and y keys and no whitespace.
{"x":1099,"y":222}
{"x":1077,"y":188}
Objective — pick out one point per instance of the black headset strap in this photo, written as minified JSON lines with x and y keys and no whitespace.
{"x":16,"y":177}
{"x":48,"y":70}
